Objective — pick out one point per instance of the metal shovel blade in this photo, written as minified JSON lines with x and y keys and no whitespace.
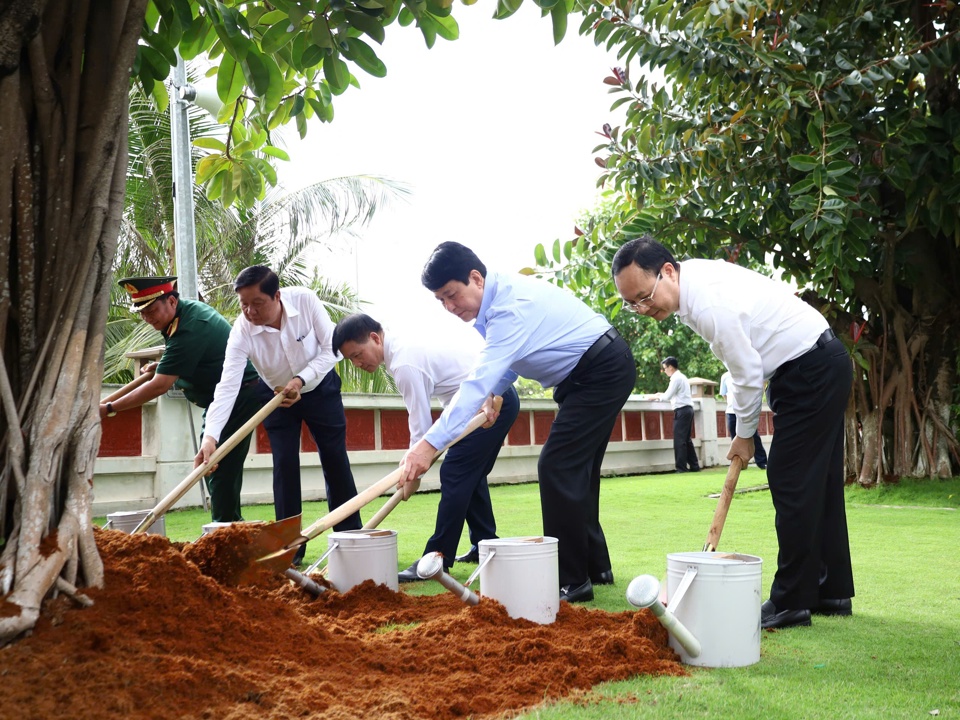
{"x":271,"y":540}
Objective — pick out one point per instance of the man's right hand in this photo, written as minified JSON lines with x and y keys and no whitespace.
{"x":207,"y":448}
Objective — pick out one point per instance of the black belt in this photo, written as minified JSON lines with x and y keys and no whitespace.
{"x":599,"y":345}
{"x":825,"y":338}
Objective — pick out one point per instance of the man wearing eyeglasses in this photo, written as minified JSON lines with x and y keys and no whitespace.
{"x":762,"y":331}
{"x":539,"y":331}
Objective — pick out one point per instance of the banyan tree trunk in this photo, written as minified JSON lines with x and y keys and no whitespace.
{"x":64,"y":77}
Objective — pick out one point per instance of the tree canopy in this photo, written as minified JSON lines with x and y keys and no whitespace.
{"x":825,"y":138}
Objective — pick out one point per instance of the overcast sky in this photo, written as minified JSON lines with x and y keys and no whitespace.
{"x":492,"y":132}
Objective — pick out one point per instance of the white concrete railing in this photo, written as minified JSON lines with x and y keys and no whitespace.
{"x":167,"y":451}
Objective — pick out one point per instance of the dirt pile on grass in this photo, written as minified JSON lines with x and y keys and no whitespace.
{"x":166,"y":641}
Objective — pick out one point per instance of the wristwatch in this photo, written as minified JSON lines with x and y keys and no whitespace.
{"x":110,"y":411}
{"x":302,"y":381}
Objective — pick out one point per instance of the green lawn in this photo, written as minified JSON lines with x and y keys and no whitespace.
{"x":897,"y":657}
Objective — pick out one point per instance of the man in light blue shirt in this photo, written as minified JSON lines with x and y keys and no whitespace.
{"x":539,"y":331}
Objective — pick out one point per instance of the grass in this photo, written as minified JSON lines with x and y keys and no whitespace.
{"x":897,"y":657}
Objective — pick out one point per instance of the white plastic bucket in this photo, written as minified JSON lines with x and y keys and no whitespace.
{"x":127,"y":521}
{"x":523,"y":576}
{"x":211,"y":526}
{"x":363,"y":555}
{"x":720,"y":607}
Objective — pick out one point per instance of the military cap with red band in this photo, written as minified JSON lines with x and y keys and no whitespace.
{"x":145,"y":290}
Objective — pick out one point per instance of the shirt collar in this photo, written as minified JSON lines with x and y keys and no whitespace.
{"x":288,"y":310}
{"x":490,"y":283}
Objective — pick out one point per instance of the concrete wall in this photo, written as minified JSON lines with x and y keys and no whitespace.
{"x":145,"y":453}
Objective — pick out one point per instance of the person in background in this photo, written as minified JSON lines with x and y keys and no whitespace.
{"x":431,"y":365}
{"x":678,"y":393}
{"x":288,"y":341}
{"x":726,"y":392}
{"x":537,"y":330}
{"x":763,"y":332}
{"x":195,"y":341}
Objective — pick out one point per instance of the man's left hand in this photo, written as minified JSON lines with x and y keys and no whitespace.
{"x":291,"y":392}
{"x":742,"y":448}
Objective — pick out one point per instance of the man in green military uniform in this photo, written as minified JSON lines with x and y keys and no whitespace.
{"x":195,"y":339}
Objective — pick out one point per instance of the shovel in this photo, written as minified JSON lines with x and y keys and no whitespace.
{"x":397,"y":496}
{"x":188,"y":482}
{"x":723,"y":505}
{"x":288,"y":536}
{"x":129,"y":387}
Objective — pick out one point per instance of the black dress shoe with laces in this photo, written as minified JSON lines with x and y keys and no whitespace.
{"x":410,"y":574}
{"x":834,"y":606}
{"x":771,"y":618}
{"x":604,"y":578}
{"x":577,"y":593}
{"x":470,"y":556}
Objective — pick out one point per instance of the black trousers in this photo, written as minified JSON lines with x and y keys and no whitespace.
{"x":322,"y":411}
{"x":590,"y":401}
{"x":684,"y":453}
{"x":759,"y":454}
{"x":464,"y":493}
{"x":805,"y":471}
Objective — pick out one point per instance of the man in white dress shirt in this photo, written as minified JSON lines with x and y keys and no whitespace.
{"x":678,"y":393}
{"x":762,"y":331}
{"x":434,"y":365}
{"x":288,"y":342}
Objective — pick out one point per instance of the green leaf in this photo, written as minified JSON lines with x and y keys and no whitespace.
{"x":804,"y":163}
{"x":320,"y":33}
{"x":447,"y":27}
{"x":506,"y":8}
{"x":276,"y":152}
{"x":210,"y":143}
{"x":366,"y":24}
{"x":336,"y":73}
{"x":256,"y":72}
{"x":277,"y":36}
{"x":298,"y":105}
{"x":229,"y":80}
{"x":323,"y":111}
{"x":558,"y":14}
{"x":364,"y":56}
{"x":540,"y":255}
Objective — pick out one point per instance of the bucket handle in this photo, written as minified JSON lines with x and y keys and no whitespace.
{"x":685,"y":582}
{"x":323,"y":557}
{"x":475,"y":573}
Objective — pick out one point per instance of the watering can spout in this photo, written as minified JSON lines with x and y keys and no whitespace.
{"x":644,"y":592}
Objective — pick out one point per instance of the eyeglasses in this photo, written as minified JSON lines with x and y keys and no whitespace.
{"x":636,"y":305}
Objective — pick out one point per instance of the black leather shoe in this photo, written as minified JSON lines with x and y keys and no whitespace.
{"x":410,"y":574}
{"x":604,"y":578}
{"x":770,"y":618}
{"x":830,"y":606}
{"x":470,"y":556}
{"x":577,"y":593}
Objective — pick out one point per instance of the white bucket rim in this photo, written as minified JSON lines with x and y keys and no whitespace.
{"x":358,"y":534}
{"x":716,"y":558}
{"x":522,"y":541}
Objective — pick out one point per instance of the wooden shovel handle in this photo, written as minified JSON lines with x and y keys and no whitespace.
{"x":377,"y":489}
{"x":226,"y":446}
{"x":723,"y":505}
{"x":129,"y":387}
